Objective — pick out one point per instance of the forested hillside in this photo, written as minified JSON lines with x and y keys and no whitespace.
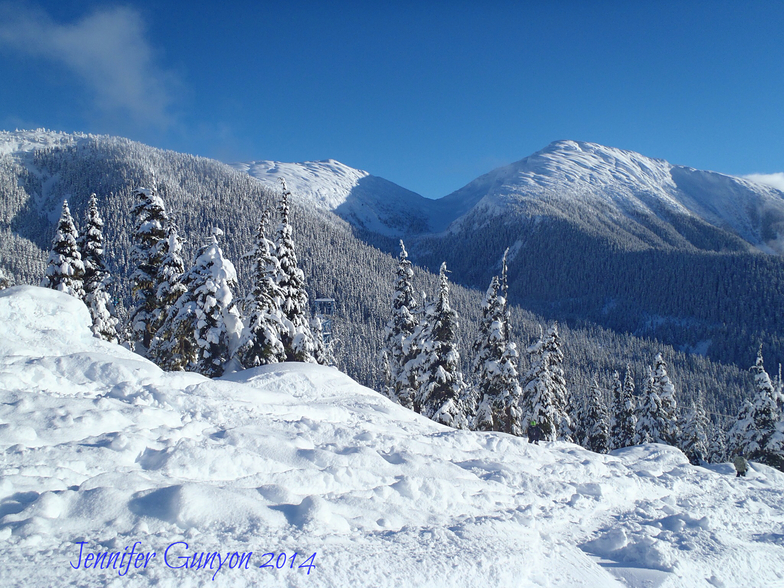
{"x":200,"y":193}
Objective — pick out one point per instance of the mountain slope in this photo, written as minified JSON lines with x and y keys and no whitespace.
{"x":367,"y":202}
{"x":102,"y":450}
{"x":200,"y":193}
{"x":591,"y":182}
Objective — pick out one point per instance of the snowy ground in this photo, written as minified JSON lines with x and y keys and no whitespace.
{"x":101,"y":449}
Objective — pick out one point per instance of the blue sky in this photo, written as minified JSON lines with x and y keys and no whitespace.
{"x":428,"y":95}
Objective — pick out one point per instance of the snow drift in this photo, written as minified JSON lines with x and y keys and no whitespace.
{"x":105,"y":454}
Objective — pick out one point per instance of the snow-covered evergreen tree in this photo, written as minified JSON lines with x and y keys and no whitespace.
{"x":597,"y":424}
{"x":495,"y":366}
{"x":757,"y":443}
{"x":297,"y":338}
{"x":579,"y":416}
{"x":166,"y":348}
{"x":665,"y":390}
{"x":717,"y":444}
{"x":413,"y":355}
{"x":151,"y":230}
{"x":742,"y":433}
{"x":623,"y":418}
{"x":261,"y":338}
{"x":648,"y":412}
{"x":545,"y":394}
{"x":657,"y":421}
{"x":694,"y":436}
{"x":399,"y":328}
{"x":441,"y":387}
{"x":65,"y":270}
{"x":96,"y":278}
{"x":207,"y":323}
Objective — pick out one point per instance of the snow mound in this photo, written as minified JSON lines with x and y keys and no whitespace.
{"x":105,"y":454}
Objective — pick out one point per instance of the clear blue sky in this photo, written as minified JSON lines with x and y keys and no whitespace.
{"x":426,"y":94}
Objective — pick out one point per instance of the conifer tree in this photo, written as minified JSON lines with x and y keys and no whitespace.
{"x":166,"y":348}
{"x":65,"y":270}
{"x":658,"y":421}
{"x":623,"y":420}
{"x":322,"y":352}
{"x":261,"y":338}
{"x":544,"y":388}
{"x":96,"y":277}
{"x":209,"y":308}
{"x":441,"y":387}
{"x":401,"y":326}
{"x":597,"y":424}
{"x":495,"y":365}
{"x":579,"y":416}
{"x":297,"y":338}
{"x":742,"y":434}
{"x":757,"y":444}
{"x":717,"y":448}
{"x":647,"y":412}
{"x":151,"y":229}
{"x":694,"y":441}
{"x":668,"y":417}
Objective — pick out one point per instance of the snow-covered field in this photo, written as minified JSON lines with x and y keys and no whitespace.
{"x":103,"y":453}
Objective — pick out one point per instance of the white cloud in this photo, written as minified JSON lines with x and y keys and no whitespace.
{"x":107,"y":49}
{"x":773,"y":180}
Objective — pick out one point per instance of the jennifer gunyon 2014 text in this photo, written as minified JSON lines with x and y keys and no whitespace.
{"x":176,"y":556}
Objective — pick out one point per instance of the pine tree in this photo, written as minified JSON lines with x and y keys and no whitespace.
{"x":165,"y":348}
{"x":668,"y":417}
{"x":401,"y":326}
{"x":579,"y":416}
{"x":151,"y":229}
{"x":96,"y":277}
{"x":694,"y":441}
{"x":261,"y":338}
{"x":743,"y":434}
{"x":658,"y":421}
{"x":597,"y":425}
{"x":297,"y":338}
{"x":495,"y":365}
{"x":65,"y":270}
{"x":647,"y":412}
{"x":766,"y":416}
{"x":441,"y":387}
{"x":717,"y":448}
{"x":544,"y":389}
{"x":623,"y":420}
{"x":218,"y":318}
{"x":414,"y":355}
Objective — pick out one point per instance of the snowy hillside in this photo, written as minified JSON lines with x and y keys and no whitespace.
{"x":613,"y":183}
{"x":26,"y":141}
{"x":103,"y":450}
{"x":367,"y":202}
{"x":622,"y":185}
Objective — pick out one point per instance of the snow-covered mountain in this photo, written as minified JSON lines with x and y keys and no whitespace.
{"x":366,"y":201}
{"x":104,"y":454}
{"x":570,"y":179}
{"x":578,"y":179}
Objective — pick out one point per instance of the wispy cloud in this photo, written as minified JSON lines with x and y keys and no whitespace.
{"x":773,"y":180}
{"x":107,"y":49}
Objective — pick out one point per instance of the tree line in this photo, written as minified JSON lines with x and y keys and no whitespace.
{"x":421,"y":363}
